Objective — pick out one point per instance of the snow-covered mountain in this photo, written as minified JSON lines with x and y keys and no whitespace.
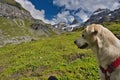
{"x":98,"y":16}
{"x":103,"y":15}
{"x":63,"y":27}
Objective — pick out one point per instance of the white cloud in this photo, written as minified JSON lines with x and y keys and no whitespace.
{"x":37,"y":14}
{"x":82,"y":15}
{"x":31,"y":8}
{"x":90,"y":5}
{"x":87,"y":5}
{"x":65,"y":16}
{"x":69,"y":4}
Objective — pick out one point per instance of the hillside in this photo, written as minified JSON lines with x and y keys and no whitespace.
{"x":56,"y":56}
{"x":17,"y":25}
{"x":45,"y":55}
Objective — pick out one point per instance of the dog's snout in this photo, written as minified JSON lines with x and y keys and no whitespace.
{"x":75,"y":42}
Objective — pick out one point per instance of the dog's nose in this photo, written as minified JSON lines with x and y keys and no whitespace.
{"x":75,"y":42}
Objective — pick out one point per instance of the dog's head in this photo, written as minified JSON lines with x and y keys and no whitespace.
{"x":89,"y":36}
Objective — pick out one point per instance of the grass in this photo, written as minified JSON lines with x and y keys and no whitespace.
{"x":12,"y":28}
{"x":8,"y":1}
{"x":55,"y":56}
{"x":113,"y":26}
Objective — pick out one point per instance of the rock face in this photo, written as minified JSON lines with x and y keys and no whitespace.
{"x":9,"y":11}
{"x":103,"y":15}
{"x":63,"y":27}
{"x":16,"y":11}
{"x":59,"y":27}
{"x":17,"y":25}
{"x":74,"y":22}
{"x":41,"y":29}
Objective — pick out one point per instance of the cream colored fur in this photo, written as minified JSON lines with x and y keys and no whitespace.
{"x":105,"y":46}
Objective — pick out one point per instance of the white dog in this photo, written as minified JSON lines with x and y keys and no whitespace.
{"x":106,"y":48}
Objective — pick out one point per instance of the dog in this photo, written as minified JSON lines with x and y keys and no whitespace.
{"x":106,"y":47}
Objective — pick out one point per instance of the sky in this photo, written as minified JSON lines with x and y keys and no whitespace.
{"x":55,"y":11}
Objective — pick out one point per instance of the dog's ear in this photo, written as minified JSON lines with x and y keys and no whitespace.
{"x":95,"y":28}
{"x":94,"y":32}
{"x":99,"y":43}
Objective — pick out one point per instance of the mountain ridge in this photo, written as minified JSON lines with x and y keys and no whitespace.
{"x":103,"y":15}
{"x":17,"y":25}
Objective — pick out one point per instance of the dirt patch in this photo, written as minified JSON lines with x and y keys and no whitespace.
{"x":30,"y":72}
{"x":2,"y":68}
{"x":73,"y":57}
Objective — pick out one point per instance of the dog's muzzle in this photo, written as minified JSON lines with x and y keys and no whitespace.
{"x":83,"y":46}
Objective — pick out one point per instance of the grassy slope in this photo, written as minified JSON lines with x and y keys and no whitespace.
{"x":55,"y":56}
{"x":113,"y":26}
{"x":14,"y":27}
{"x":10,"y":28}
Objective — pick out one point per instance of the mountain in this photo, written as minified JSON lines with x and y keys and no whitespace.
{"x":74,"y":22}
{"x":65,"y":27}
{"x":98,"y":16}
{"x":103,"y":15}
{"x":17,"y":25}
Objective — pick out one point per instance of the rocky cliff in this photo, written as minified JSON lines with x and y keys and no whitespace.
{"x":17,"y":25}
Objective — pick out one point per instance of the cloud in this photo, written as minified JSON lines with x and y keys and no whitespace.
{"x":69,"y":4}
{"x":64,"y":16}
{"x":40,"y":14}
{"x":31,"y":8}
{"x":84,"y":16}
{"x":86,"y":5}
{"x":78,"y":8}
{"x":90,"y":5}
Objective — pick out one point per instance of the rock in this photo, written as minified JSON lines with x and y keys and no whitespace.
{"x":18,"y":26}
{"x":103,"y":15}
{"x":74,"y":22}
{"x":17,"y":40}
{"x":10,"y":11}
{"x":41,"y":29}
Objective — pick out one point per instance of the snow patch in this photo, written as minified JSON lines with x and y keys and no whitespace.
{"x":109,"y":14}
{"x":95,"y":13}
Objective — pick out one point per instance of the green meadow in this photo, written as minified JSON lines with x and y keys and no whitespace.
{"x":56,"y":56}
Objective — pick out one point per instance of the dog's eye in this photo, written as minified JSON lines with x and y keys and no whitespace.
{"x":83,"y":35}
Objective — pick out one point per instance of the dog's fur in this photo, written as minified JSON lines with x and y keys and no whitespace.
{"x":104,"y":44}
